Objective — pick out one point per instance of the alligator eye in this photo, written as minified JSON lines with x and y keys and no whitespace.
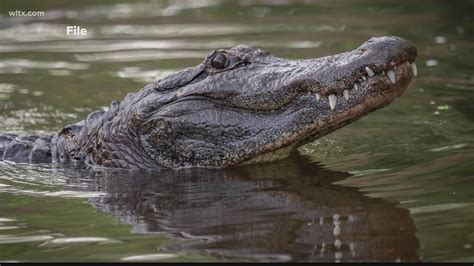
{"x":220,"y":61}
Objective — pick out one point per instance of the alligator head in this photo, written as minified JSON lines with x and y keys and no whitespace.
{"x":244,"y":105}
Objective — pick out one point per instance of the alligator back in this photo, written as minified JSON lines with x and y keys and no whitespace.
{"x":26,"y":149}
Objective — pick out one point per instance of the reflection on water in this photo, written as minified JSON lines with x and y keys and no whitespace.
{"x":406,"y":166}
{"x":285,"y":211}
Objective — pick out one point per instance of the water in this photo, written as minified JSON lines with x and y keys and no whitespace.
{"x":396,"y":185}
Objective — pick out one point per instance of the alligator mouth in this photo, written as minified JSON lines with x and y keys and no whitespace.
{"x":368,"y":89}
{"x":392,"y":80}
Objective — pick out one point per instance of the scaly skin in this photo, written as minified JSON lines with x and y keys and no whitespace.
{"x":241,"y":105}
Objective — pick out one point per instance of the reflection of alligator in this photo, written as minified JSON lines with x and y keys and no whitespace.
{"x":271,"y":211}
{"x":239,"y":105}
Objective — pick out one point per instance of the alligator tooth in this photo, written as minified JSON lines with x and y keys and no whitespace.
{"x":369,"y":71}
{"x":346,"y":94}
{"x":318,"y":97}
{"x":332,"y":101}
{"x":356,"y":87}
{"x":413,"y":69}
{"x":352,"y":249}
{"x":391,"y":76}
{"x":364,"y":78}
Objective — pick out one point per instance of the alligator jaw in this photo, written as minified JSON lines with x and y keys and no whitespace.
{"x":372,"y":89}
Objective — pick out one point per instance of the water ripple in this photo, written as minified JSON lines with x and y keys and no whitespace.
{"x":30,"y":64}
{"x":8,"y":239}
{"x":74,"y":240}
{"x":149,"y":257}
{"x":130,"y":56}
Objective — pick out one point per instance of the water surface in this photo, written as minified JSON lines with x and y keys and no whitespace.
{"x":396,"y":185}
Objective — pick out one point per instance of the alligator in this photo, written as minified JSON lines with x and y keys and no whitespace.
{"x":240,"y":105}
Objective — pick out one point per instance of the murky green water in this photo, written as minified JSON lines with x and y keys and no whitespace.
{"x":398,"y":185}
